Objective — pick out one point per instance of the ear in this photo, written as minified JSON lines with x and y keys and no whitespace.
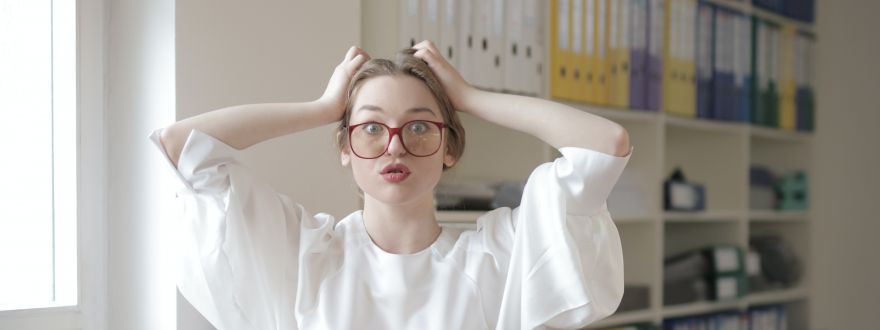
{"x":344,"y":157}
{"x":448,"y":160}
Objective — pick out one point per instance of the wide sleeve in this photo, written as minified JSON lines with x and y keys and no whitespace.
{"x":564,"y":258}
{"x":238,"y":239}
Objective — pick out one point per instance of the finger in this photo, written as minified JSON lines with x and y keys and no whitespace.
{"x":352,"y":51}
{"x":427,"y":45}
{"x":357,"y":62}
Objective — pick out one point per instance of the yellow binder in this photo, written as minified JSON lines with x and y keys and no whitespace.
{"x":618,"y":47}
{"x":589,"y":55}
{"x":580,"y":86}
{"x":560,"y":50}
{"x":600,"y":61}
{"x":787,"y":84}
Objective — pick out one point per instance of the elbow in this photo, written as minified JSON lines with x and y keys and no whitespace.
{"x":621,"y":142}
{"x":171,"y":142}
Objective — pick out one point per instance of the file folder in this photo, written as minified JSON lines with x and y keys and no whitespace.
{"x":409,"y":28}
{"x":679,"y":90}
{"x":656,"y":43}
{"x":805,"y":102}
{"x":742,"y":50}
{"x":581,"y":86}
{"x":589,"y":75}
{"x":787,"y":85}
{"x":561,"y":55}
{"x":448,"y":39}
{"x":430,"y":21}
{"x":533,"y":39}
{"x":638,"y":55}
{"x":600,"y":60}
{"x":724,"y":94}
{"x":465,"y":42}
{"x":489,"y":32}
{"x":705,"y":60}
{"x":513,"y":57}
{"x":765,"y":65}
{"x":618,"y":50}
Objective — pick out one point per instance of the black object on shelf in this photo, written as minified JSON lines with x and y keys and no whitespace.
{"x":780,"y":266}
{"x":635,"y":297}
{"x":681,"y":195}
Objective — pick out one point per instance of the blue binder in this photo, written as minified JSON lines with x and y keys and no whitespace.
{"x":705,"y":59}
{"x":724,"y":90}
{"x":744,"y":80}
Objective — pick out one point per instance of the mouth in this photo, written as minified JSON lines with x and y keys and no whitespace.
{"x":395,"y":173}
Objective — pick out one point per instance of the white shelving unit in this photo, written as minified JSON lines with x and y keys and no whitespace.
{"x":716,"y":154}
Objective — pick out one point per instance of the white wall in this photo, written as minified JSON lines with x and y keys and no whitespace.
{"x":236,"y":52}
{"x":139,"y":97}
{"x":846,"y":267}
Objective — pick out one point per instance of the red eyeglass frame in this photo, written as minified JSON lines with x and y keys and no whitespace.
{"x":392,"y":131}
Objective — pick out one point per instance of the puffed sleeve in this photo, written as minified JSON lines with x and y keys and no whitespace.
{"x":563,"y":253}
{"x":238,"y":239}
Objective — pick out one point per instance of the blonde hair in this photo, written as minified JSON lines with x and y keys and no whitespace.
{"x":406,"y":64}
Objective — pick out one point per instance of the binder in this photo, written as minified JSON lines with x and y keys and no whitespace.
{"x":705,"y":60}
{"x":638,"y":55}
{"x":512,"y":56}
{"x":618,"y":51}
{"x":765,"y":105}
{"x":787,"y":85}
{"x":582,"y":89}
{"x":430,"y":21}
{"x":654,"y":66}
{"x":600,"y":60}
{"x":679,"y":90}
{"x":587,"y":59}
{"x":742,"y":50}
{"x":805,"y":102}
{"x":447,"y":43}
{"x":561,"y":56}
{"x":465,"y":42}
{"x":488,"y":27}
{"x":724,"y":93}
{"x":534,"y":42}
{"x":409,"y":29}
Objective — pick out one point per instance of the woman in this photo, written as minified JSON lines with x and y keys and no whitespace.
{"x":253,"y":259}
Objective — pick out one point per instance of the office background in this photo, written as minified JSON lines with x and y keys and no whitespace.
{"x":158,"y":61}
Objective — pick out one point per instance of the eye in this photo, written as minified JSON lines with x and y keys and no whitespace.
{"x":372,"y":128}
{"x":418,"y":127}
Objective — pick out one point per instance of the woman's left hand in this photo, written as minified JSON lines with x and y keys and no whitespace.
{"x":456,"y":87}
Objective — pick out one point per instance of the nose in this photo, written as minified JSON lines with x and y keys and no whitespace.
{"x":395,"y":146}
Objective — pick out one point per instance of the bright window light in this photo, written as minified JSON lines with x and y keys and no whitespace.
{"x":38,"y":138}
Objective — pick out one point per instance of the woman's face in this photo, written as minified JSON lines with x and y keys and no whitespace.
{"x":394,"y":101}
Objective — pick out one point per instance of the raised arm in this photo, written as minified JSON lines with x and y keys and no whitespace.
{"x":557,"y":124}
{"x":245,"y":125}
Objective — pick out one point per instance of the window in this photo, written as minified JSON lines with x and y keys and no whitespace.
{"x":38,"y":138}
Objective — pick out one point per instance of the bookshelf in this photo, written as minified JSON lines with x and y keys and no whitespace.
{"x":716,"y":154}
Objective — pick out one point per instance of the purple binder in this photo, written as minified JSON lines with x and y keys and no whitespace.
{"x":655,"y":56}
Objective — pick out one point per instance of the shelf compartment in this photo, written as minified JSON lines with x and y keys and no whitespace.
{"x":625,"y":318}
{"x":701,"y":307}
{"x":779,"y":135}
{"x":689,"y":236}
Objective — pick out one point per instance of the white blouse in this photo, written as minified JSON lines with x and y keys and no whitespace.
{"x":254,"y":259}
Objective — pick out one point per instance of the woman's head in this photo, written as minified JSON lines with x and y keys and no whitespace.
{"x":405,"y":64}
{"x":395,"y":93}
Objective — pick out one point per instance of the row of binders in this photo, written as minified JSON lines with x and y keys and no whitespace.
{"x":685,"y":57}
{"x":494,"y":44}
{"x":770,"y":317}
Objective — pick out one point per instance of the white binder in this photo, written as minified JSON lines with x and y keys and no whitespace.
{"x":409,"y":26}
{"x":447,"y":43}
{"x":466,"y":40}
{"x":430,"y":21}
{"x":513,"y":57}
{"x":489,"y":32}
{"x":533,"y":46}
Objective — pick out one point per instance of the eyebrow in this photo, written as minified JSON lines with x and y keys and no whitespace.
{"x":413,"y":110}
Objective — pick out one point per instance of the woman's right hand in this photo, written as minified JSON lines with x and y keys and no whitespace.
{"x":336,"y":93}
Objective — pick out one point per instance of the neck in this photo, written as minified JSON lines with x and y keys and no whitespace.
{"x":401,"y":228}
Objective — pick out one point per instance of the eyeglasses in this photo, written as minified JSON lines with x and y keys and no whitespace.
{"x":420,"y":138}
